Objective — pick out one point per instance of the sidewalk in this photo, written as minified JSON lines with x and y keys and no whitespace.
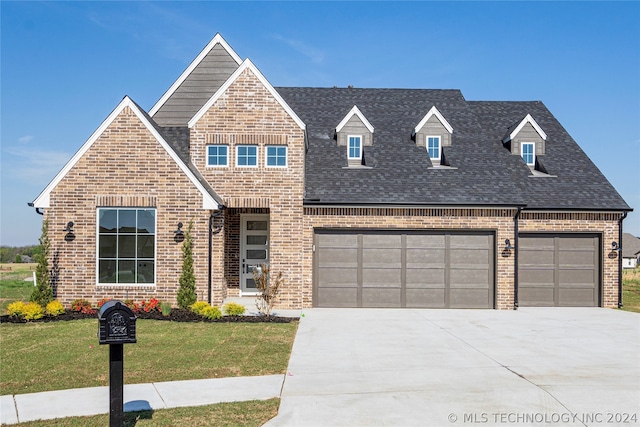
{"x":137,"y":397}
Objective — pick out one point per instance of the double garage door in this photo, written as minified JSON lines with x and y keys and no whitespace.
{"x":404,"y":269}
{"x":559,"y":270}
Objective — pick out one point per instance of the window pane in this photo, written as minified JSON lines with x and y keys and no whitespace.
{"x":256,"y":254}
{"x":145,"y":271}
{"x":126,"y":271}
{"x":107,"y":247}
{"x":146,"y":246}
{"x":127,"y":221}
{"x":256,"y":225}
{"x":146,"y":221}
{"x":107,"y":271}
{"x":108,"y":219}
{"x":256,"y":240}
{"x":126,"y":246}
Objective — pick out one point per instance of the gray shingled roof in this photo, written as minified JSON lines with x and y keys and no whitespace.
{"x":630,"y":245}
{"x":483,"y":171}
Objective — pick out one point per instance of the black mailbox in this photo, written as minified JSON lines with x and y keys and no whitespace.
{"x":117,"y":324}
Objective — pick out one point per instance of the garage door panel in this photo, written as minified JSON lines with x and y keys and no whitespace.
{"x":531,"y":276}
{"x":343,"y":277}
{"x":575,"y":276}
{"x":381,"y":241}
{"x":425,"y":257}
{"x":579,"y":243}
{"x":469,"y":256}
{"x":337,"y":240}
{"x":540,"y":296}
{"x":425,"y":298}
{"x":425,"y":278}
{"x":377,"y":297}
{"x":537,"y":258}
{"x":337,"y":297}
{"x":388,"y":258}
{"x":576,"y":258}
{"x":461,"y":277}
{"x":426,"y":241}
{"x":468,"y":298}
{"x":382,"y":277}
{"x":576,"y":297}
{"x":468,"y":241}
{"x":339,"y":257}
{"x":535,"y":243}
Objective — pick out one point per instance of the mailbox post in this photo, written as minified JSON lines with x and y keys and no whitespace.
{"x":116,"y":326}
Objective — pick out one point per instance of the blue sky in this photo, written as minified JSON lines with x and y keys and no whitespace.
{"x":66,"y":65}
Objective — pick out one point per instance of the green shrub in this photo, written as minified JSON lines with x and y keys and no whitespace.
{"x":187,"y":289}
{"x":165,"y":308}
{"x":54,"y":308}
{"x":233,"y":309}
{"x":16,"y":309}
{"x":32,"y":311}
{"x":43,"y":292}
{"x":199,"y":307}
{"x":211,"y":313}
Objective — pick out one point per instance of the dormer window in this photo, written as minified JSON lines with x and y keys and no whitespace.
{"x":433,"y":133}
{"x":433,"y":147}
{"x":355,"y":133}
{"x":528,"y":150}
{"x":355,"y":147}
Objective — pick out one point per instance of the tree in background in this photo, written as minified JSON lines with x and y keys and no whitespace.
{"x":187,"y":291}
{"x":43,"y":293}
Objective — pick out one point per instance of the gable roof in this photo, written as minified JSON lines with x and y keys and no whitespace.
{"x":206,"y":73}
{"x":527,"y":119}
{"x":433,"y":112}
{"x":210,"y":200}
{"x":246,"y":65}
{"x":355,"y":111}
{"x":630,"y":245}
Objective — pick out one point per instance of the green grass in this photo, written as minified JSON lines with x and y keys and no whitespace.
{"x":60,"y":355}
{"x":250,"y":414}
{"x":12,"y":284}
{"x":631,"y":290}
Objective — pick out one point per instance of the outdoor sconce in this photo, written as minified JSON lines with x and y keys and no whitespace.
{"x":70,"y":236}
{"x":615,"y":246}
{"x":178,"y":234}
{"x":507,"y":245}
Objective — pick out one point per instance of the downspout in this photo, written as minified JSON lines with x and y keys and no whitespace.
{"x":515,"y":258}
{"x":624,"y":215}
{"x":38,"y":211}
{"x":212,"y":231}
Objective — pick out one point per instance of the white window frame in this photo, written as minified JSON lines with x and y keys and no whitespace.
{"x":217,"y":166}
{"x":286,"y":156}
{"x":426,"y":143}
{"x":359,"y":157}
{"x":155,"y":248}
{"x":533,"y":152}
{"x":238,"y":156}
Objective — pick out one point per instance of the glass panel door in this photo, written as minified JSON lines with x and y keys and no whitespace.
{"x":254,"y":248}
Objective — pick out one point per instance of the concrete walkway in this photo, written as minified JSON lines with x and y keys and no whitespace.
{"x":137,"y":397}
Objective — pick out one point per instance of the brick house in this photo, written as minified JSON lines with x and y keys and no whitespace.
{"x":360,"y":197}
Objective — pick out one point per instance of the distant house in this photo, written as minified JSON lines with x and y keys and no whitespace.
{"x":630,"y":251}
{"x":360,"y":197}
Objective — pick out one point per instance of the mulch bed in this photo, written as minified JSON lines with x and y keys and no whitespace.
{"x":177,"y":315}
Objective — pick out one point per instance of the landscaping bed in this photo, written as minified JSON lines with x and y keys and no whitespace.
{"x":176,"y":315}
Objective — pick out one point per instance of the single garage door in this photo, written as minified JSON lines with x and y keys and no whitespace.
{"x":560,"y":270}
{"x":403,"y":269}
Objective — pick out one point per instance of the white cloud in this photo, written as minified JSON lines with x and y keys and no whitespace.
{"x":32,"y":164}
{"x":316,"y":55}
{"x":25,"y":139}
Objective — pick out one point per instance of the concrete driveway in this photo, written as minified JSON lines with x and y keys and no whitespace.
{"x":534,"y":366}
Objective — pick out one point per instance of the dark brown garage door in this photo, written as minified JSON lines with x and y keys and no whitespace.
{"x":403,"y":269}
{"x":559,"y":270}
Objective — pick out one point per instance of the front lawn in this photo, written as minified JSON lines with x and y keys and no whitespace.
{"x":13,"y":287}
{"x":631,"y":290}
{"x":241,"y":414}
{"x":66,"y":354}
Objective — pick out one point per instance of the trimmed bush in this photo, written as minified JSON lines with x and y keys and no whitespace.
{"x":211,"y":313}
{"x":199,"y":307}
{"x":16,"y":309}
{"x":32,"y":311}
{"x":54,"y":308}
{"x":233,"y":309}
{"x":165,"y":308}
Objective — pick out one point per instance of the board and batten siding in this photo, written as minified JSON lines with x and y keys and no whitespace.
{"x":198,"y":87}
{"x":527,"y":134}
{"x":433,"y":127}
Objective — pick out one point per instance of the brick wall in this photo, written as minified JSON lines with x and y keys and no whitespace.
{"x":112,"y":174}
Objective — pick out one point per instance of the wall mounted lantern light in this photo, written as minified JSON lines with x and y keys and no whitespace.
{"x":70,"y":235}
{"x":507,"y":245}
{"x":615,"y":246}
{"x":178,"y":234}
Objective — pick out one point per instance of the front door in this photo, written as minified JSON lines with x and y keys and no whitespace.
{"x":254,"y":249}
